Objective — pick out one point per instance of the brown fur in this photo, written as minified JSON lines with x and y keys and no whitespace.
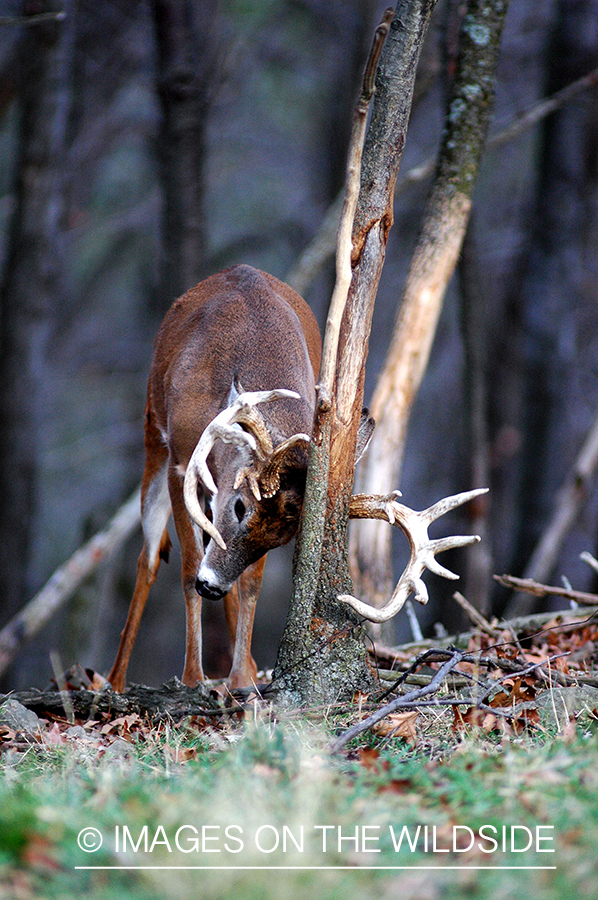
{"x":239,"y":326}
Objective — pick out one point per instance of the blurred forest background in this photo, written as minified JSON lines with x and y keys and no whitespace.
{"x":145,"y":145}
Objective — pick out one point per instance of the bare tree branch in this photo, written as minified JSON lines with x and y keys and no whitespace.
{"x":569,"y":503}
{"x":476,"y":617}
{"x":34,"y":19}
{"x":322,"y":246}
{"x":530,"y":586}
{"x":66,"y":579}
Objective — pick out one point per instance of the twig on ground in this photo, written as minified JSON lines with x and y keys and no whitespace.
{"x":476,"y":617}
{"x":533,"y":667}
{"x":455,"y":658}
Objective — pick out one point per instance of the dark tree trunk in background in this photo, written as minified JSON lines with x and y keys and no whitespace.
{"x":33,"y":287}
{"x":476,"y":303}
{"x":350,"y":27}
{"x":187,"y":59}
{"x":558,"y":288}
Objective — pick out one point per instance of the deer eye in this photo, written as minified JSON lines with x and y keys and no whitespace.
{"x":240,"y":510}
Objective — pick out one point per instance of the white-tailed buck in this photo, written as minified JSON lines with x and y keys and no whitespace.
{"x":228,"y":419}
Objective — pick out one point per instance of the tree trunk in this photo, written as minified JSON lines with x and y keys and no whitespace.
{"x":475,"y":291}
{"x":322,"y":654}
{"x":188,"y":50}
{"x":554,"y":295}
{"x":187,"y":72}
{"x":433,"y":262}
{"x":32,"y":288}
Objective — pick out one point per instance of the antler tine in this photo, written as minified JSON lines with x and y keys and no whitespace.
{"x":194,"y":508}
{"x":423,"y":549}
{"x":222,"y":427}
{"x":445,"y":505}
{"x":197,"y":469}
{"x":264,"y":472}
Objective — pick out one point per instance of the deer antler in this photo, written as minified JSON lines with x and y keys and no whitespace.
{"x":423,"y":549}
{"x":226,"y":427}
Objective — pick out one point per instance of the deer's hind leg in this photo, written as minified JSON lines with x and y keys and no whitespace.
{"x":155,"y":512}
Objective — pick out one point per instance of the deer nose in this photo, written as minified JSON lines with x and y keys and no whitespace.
{"x":209,"y":590}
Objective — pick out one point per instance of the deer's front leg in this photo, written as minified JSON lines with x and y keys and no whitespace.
{"x":244,"y":670}
{"x":191,"y":541}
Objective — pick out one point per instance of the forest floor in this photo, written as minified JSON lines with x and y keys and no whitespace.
{"x":481,"y":783}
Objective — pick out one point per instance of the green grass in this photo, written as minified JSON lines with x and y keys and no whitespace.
{"x":263,"y":785}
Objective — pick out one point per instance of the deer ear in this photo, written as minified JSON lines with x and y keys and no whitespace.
{"x":236,"y":389}
{"x":283,"y":457}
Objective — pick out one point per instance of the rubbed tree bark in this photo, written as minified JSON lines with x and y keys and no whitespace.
{"x":187,"y":73}
{"x":33,"y":286}
{"x":433,"y":262}
{"x":322,"y":654}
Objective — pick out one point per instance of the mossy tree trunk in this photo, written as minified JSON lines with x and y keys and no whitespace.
{"x":322,"y":654}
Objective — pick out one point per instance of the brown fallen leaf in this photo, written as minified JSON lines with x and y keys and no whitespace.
{"x":369,"y":758}
{"x":401,"y":725}
{"x":122,"y":725}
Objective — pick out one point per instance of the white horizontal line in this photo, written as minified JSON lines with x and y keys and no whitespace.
{"x":316,"y":868}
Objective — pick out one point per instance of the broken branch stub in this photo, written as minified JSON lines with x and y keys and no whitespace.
{"x":423,"y":549}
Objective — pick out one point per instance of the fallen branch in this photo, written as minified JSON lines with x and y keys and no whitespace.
{"x":66,"y":579}
{"x":476,"y":617}
{"x":528,"y":625}
{"x":455,"y":658}
{"x":521,"y":671}
{"x":413,"y":699}
{"x":173,"y":699}
{"x":531,"y":586}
